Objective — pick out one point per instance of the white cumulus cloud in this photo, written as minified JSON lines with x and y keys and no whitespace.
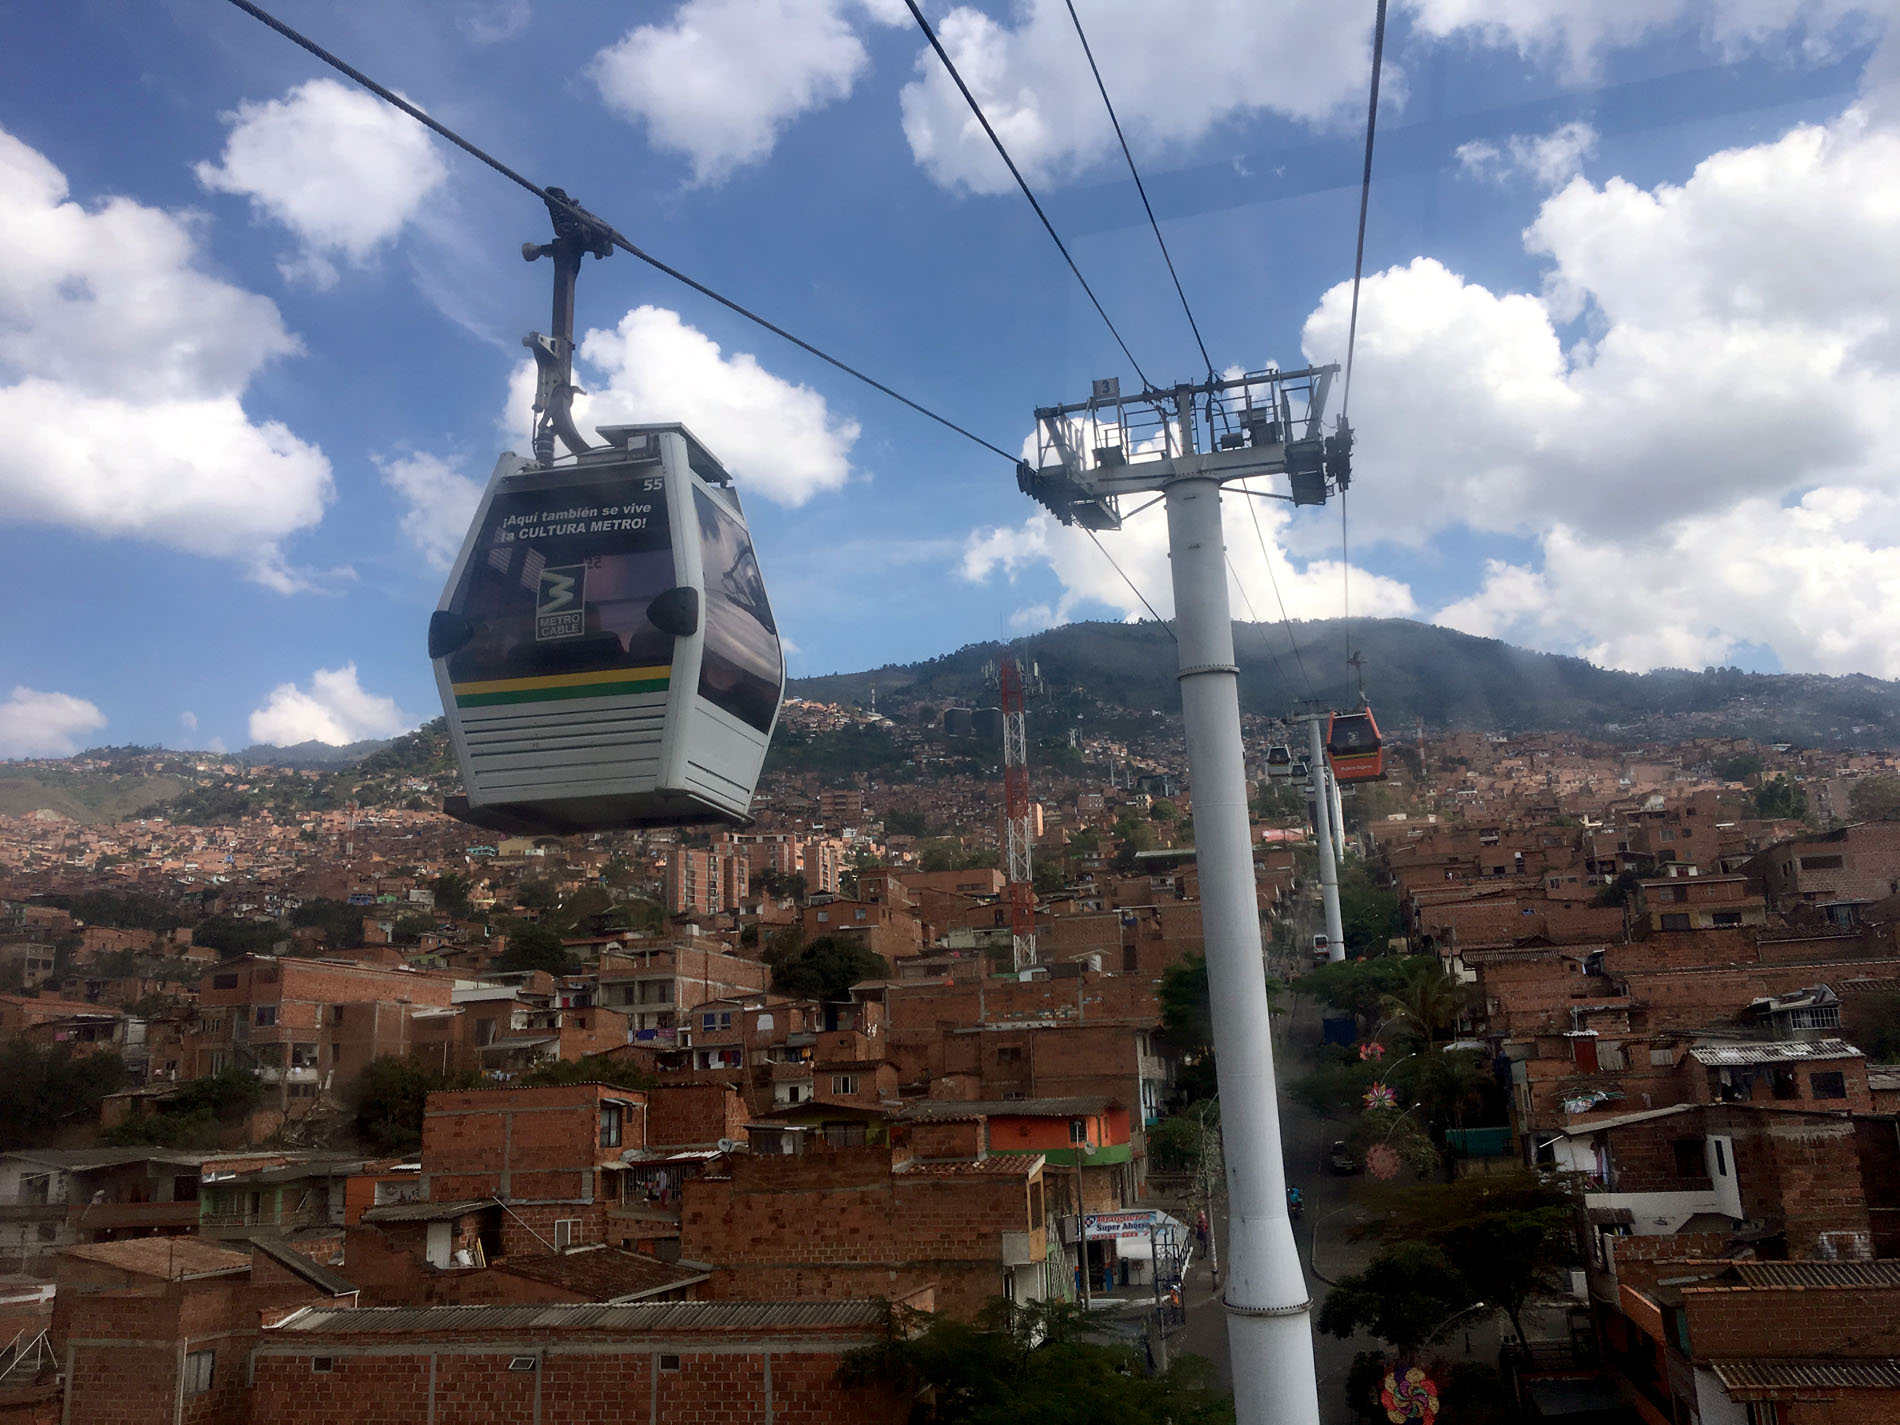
{"x":338,"y":167}
{"x":1578,"y":33}
{"x":1311,"y":588}
{"x":1174,"y":79}
{"x":724,"y":77}
{"x":36,"y":724}
{"x":131,"y":423}
{"x":778,"y":439}
{"x":1550,"y":160}
{"x":440,"y":501}
{"x":335,"y":708}
{"x":1697,"y":418}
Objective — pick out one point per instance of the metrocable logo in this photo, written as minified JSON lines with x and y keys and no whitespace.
{"x":560,"y":602}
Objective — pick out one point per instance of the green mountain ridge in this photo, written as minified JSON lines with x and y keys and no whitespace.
{"x":1413,"y":671}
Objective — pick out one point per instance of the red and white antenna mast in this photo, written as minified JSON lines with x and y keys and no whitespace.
{"x":1021,"y":890}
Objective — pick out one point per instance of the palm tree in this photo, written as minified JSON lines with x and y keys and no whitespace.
{"x":1429,"y":998}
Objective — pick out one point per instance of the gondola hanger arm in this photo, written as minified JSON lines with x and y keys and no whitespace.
{"x":576,"y":233}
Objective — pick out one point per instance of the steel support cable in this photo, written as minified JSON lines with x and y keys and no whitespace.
{"x":983,"y":119}
{"x":1365,"y":198}
{"x":1352,"y":323}
{"x":1274,"y":579}
{"x":1140,"y":188}
{"x":1279,"y":673}
{"x":1130,"y":583}
{"x":581,"y":214}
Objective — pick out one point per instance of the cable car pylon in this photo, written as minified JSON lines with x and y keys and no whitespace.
{"x":1186,"y":443}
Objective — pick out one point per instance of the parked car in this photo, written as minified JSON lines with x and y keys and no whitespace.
{"x":1340,"y":1158}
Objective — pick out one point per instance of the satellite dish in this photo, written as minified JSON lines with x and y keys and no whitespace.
{"x":730,"y":1145}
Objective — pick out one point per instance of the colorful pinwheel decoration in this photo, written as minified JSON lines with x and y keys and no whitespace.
{"x":1381,"y":1096}
{"x":1411,"y":1398}
{"x":1383,"y":1161}
{"x":1372,"y":1049}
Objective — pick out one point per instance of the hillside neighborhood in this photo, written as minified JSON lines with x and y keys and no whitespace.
{"x":321,"y":1098}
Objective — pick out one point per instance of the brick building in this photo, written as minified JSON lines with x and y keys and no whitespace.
{"x":796,"y":1218}
{"x":704,"y":882}
{"x":694,"y":1363}
{"x":552,"y":1156}
{"x":306,"y":1027}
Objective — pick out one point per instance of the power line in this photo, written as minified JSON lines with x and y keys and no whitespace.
{"x":1130,"y":583}
{"x":1352,"y":327}
{"x":1365,"y":198}
{"x":1279,"y":676}
{"x":1140,"y":188}
{"x":613,"y":235}
{"x":1021,"y":183}
{"x":1274,"y":579}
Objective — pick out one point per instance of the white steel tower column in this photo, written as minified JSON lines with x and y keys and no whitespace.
{"x":1320,"y":776}
{"x":1269,"y":1325}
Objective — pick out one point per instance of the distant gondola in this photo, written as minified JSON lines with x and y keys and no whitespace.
{"x":1280,"y":762}
{"x":1354,"y":748}
{"x":604,"y":649}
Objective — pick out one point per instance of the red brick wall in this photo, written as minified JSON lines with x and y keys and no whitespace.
{"x":1792,"y":1321}
{"x":694,"y":1113}
{"x":523,"y":1145}
{"x":842,"y":1224}
{"x":576,"y":1383}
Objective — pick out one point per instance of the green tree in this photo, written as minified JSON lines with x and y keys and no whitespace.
{"x":1428,"y":999}
{"x":1779,"y":797}
{"x":1876,"y":798}
{"x":49,"y":1087}
{"x":1357,"y":987}
{"x":1405,"y":1296}
{"x":1187,"y":1018}
{"x":537,"y":894}
{"x":230,"y":936}
{"x":1507,"y":1236}
{"x":1368,"y":914}
{"x":197,"y":1115}
{"x":826,"y":969}
{"x":535,"y":947}
{"x":1036,"y":1362}
{"x":451,"y":893}
{"x":340,"y":923}
{"x":1620,"y":891}
{"x":1738,"y":768}
{"x":390,"y":1096}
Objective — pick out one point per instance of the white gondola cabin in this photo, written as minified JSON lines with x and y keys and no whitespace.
{"x":1280,"y":762}
{"x":605,"y":651}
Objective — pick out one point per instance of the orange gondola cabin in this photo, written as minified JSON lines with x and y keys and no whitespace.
{"x":1354,"y":748}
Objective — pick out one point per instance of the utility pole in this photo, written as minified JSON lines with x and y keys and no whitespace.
{"x":1089,"y":454}
{"x":1320,"y":776}
{"x":1021,"y":888}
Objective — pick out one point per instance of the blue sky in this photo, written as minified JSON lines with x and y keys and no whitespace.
{"x":1628,"y":385}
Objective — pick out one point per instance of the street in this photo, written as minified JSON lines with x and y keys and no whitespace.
{"x":1323,"y":1234}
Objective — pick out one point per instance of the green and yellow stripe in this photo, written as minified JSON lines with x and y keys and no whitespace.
{"x":604,"y":683}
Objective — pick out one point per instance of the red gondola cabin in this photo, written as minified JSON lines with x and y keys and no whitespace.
{"x":1354,"y":748}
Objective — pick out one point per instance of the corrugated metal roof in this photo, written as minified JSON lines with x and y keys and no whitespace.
{"x":1780,"y":1051}
{"x":425,"y":1211}
{"x":931,"y":1108}
{"x":1809,"y":1373}
{"x":1001,"y":1165}
{"x":580,"y":1316}
{"x":318,"y":1275}
{"x":1885,"y":1273}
